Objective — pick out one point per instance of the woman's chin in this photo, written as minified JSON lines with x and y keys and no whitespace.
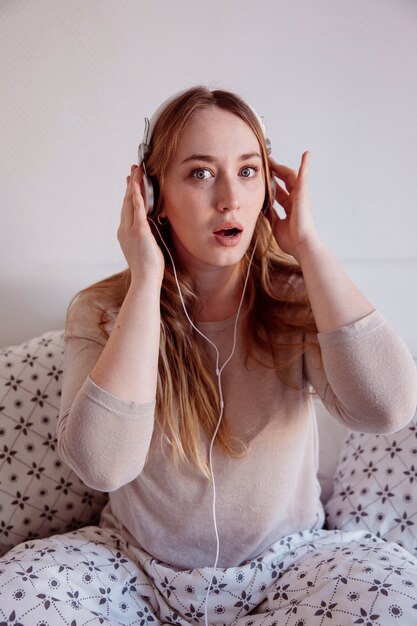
{"x":214,"y":252}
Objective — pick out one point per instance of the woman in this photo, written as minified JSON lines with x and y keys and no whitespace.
{"x":190,"y":402}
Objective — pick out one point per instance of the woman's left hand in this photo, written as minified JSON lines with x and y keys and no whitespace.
{"x":297,"y":229}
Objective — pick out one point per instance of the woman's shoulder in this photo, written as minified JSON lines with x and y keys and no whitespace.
{"x":90,"y":315}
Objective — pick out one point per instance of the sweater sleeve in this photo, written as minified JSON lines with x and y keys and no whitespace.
{"x":364,"y":374}
{"x":104,"y":439}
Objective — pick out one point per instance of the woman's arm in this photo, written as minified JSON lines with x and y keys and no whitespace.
{"x":128,"y":366}
{"x":107,"y":414}
{"x":363,"y":372}
{"x":334,"y":299}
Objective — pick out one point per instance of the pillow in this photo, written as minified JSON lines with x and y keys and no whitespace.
{"x":375,"y":486}
{"x":39,"y":494}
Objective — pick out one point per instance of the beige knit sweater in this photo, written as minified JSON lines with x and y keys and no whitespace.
{"x":363,"y":373}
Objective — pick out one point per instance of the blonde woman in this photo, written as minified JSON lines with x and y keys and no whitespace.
{"x":187,"y":397}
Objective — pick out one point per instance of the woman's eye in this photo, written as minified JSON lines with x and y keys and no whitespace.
{"x":201,"y":174}
{"x":248,"y":172}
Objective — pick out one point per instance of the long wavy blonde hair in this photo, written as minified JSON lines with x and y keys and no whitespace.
{"x":275,"y":310}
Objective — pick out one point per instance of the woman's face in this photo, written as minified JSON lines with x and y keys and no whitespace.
{"x":214,"y":190}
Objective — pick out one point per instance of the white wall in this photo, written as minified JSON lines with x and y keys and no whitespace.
{"x":78,"y":77}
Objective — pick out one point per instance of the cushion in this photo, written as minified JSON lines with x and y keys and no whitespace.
{"x":39,"y":494}
{"x":375,"y":486}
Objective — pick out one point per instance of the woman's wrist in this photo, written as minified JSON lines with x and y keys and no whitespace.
{"x":149,"y":282}
{"x":307,"y":249}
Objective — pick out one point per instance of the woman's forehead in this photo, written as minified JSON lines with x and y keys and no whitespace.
{"x":216,"y":130}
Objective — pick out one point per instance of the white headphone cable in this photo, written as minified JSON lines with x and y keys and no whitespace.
{"x":218,"y":374}
{"x":214,"y":437}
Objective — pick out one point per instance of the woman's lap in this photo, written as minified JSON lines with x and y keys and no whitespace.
{"x":84,"y":575}
{"x":351,"y":580}
{"x":315,"y":577}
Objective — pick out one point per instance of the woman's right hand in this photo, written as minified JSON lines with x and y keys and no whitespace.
{"x":142,"y":252}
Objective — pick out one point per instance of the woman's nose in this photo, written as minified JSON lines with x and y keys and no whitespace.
{"x":227,"y":197}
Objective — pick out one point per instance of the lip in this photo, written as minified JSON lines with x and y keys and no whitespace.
{"x":225,"y":225}
{"x":228,"y":241}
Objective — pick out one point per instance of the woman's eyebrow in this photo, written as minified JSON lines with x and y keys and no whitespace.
{"x":250,"y":155}
{"x":210,"y":159}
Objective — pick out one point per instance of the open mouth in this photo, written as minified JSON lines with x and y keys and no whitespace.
{"x":228,"y":232}
{"x":228,"y":236}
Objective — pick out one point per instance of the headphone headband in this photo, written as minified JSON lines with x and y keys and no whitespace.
{"x":145,"y":145}
{"x":145,"y":149}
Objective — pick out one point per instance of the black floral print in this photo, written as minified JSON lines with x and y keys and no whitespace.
{"x":30,"y":389}
{"x":380,"y":497}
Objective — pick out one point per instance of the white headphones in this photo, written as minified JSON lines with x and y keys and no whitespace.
{"x":145,"y":149}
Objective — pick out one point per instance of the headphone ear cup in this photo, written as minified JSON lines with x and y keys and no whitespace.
{"x":149,"y":195}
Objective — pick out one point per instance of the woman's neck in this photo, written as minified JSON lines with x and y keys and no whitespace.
{"x":219,"y":294}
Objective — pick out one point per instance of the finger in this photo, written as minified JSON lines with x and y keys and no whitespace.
{"x":282,"y":197}
{"x":275,"y":219}
{"x":130,"y":177}
{"x":137,"y":196}
{"x":136,"y":173}
{"x":305,"y":163}
{"x":272,"y":216}
{"x":302,"y":177}
{"x":284,"y":173}
{"x":288,"y":181}
{"x":126,"y":215}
